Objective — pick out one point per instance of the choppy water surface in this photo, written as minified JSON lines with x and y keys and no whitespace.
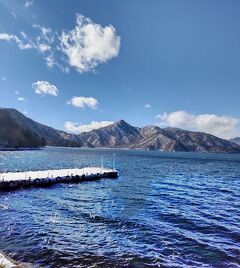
{"x":165,"y":210}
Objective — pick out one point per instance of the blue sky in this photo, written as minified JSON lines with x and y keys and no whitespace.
{"x":167,"y":62}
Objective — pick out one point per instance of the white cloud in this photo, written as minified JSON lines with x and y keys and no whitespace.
{"x":50,"y":61}
{"x":46,"y":33}
{"x":14,"y":15}
{"x":40,"y":44}
{"x":17,"y":92}
{"x":45,"y":88}
{"x":23,"y":34}
{"x":147,"y":105}
{"x":11,"y":37}
{"x":3,"y":78}
{"x":89,"y":44}
{"x":81,"y":102}
{"x":28,"y":3}
{"x":221,"y":126}
{"x":83,"y":48}
{"x":21,"y":99}
{"x":6,"y":37}
{"x":43,"y":48}
{"x":25,"y":112}
{"x":79,"y":128}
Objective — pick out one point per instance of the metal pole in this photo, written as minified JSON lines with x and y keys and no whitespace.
{"x":114,"y":158}
{"x":102,"y":162}
{"x":114,"y":161}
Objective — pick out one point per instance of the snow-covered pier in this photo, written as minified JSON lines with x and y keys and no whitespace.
{"x":15,"y":180}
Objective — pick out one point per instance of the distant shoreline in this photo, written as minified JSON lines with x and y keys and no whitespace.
{"x":107,"y":148}
{"x":138,"y":149}
{"x":19,"y":149}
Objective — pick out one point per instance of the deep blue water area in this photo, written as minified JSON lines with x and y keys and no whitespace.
{"x":164,"y":210}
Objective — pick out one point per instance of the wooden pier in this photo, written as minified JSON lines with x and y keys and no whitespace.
{"x":41,"y":178}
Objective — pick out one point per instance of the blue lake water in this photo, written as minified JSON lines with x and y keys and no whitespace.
{"x":165,"y":210}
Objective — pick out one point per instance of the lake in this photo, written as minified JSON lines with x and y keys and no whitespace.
{"x":164,"y":210}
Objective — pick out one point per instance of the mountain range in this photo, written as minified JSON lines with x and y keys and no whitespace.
{"x":236,"y":140}
{"x":19,"y":131}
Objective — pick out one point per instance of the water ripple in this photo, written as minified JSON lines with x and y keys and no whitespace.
{"x":166,"y":210}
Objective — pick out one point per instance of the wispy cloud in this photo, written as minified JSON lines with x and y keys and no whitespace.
{"x":17,"y":92}
{"x":79,"y":128}
{"x":41,"y":44}
{"x":45,"y":88}
{"x":147,"y":105}
{"x":82,"y":102}
{"x":83,"y":48}
{"x":14,"y":38}
{"x":14,"y":15}
{"x":21,"y":99}
{"x":46,"y":33}
{"x":221,"y":126}
{"x":4,"y":79}
{"x":28,"y":3}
